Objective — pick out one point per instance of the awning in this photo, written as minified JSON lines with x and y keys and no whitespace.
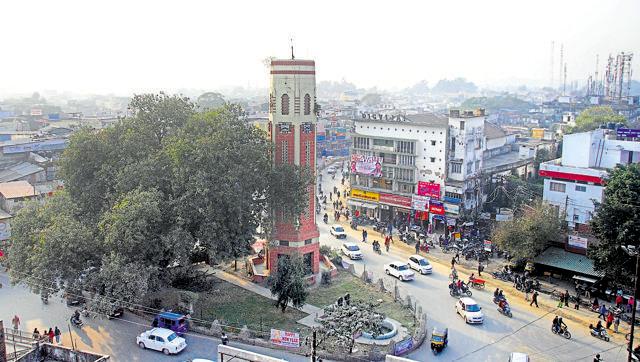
{"x":584,"y":279}
{"x":562,"y":259}
{"x":362,"y":204}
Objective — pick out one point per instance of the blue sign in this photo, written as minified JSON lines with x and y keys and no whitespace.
{"x":452,"y":200}
{"x":403,"y":346}
{"x":53,"y":116}
{"x":628,"y":132}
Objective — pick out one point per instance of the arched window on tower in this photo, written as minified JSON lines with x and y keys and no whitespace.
{"x":285,"y":104}
{"x":307,"y":104}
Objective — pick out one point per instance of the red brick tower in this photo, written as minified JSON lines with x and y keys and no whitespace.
{"x":292,"y":124}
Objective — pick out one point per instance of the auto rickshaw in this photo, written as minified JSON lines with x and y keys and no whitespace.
{"x":439,"y":339}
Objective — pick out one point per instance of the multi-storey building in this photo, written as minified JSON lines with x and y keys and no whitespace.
{"x":292,"y":128}
{"x":575,"y":182}
{"x":393,"y":158}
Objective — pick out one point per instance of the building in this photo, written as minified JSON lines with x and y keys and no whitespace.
{"x":393,"y":160}
{"x":292,"y":126}
{"x":575,"y":182}
{"x":14,"y":194}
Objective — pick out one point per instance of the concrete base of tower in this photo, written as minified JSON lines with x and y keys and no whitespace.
{"x":310,"y":254}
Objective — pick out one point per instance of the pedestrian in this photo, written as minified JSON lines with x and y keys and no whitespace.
{"x":387,"y":242}
{"x":338,"y":194}
{"x":330,"y":196}
{"x":534,"y":299}
{"x":609,"y":319}
{"x":577,"y":306}
{"x":480,"y":268}
{"x":418,"y":248}
{"x":526,"y":293}
{"x":566,"y":297}
{"x":364,"y":235}
{"x":457,"y":257}
{"x":616,"y":324}
{"x":618,"y":301}
{"x":603,"y":312}
{"x":561,"y":300}
{"x":224,"y":338}
{"x":36,"y":334}
{"x":453,"y":261}
{"x":51,"y":334}
{"x":57,"y":334}
{"x":630,"y":304}
{"x":16,"y":322}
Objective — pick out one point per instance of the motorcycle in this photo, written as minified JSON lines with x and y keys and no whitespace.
{"x":561,"y":332}
{"x":454,"y":291}
{"x":77,"y":322}
{"x":602,"y":333}
{"x":117,"y":313}
{"x":497,"y":300}
{"x":506,"y":310}
{"x":376,"y":248}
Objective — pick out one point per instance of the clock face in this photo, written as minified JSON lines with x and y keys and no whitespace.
{"x":307,"y":128}
{"x":285,"y":127}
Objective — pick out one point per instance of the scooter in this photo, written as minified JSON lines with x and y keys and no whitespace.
{"x":506,"y":311}
{"x":117,"y":313}
{"x":76,"y":322}
{"x":602,"y":334}
{"x":376,"y":248}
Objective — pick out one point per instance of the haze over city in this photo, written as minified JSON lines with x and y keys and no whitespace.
{"x":134,"y":46}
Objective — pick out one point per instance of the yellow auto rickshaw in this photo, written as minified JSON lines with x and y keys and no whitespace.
{"x":439,"y":339}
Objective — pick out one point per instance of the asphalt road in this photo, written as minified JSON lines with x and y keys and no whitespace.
{"x":528,"y":331}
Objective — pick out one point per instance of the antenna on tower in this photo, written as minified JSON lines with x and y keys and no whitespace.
{"x":552,"y":63}
{"x":292,"y":56}
{"x":564,"y":83}
{"x":561,"y":61}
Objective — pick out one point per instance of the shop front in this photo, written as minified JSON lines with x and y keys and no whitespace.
{"x":394,"y":207}
{"x":364,"y":203}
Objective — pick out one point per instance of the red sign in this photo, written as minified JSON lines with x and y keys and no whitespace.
{"x":436,"y":209}
{"x":430,"y":189}
{"x":571,"y":176}
{"x":395,"y":200}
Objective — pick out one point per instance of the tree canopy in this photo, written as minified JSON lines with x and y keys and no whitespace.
{"x":530,"y":231}
{"x":142,"y":197}
{"x":498,"y":102}
{"x":288,"y":283}
{"x":616,"y":223}
{"x":211,"y":100}
{"x":458,"y":85}
{"x":593,"y":117}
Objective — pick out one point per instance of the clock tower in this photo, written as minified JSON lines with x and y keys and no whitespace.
{"x":292,"y":128}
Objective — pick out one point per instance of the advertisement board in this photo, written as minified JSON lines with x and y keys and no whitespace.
{"x":430,"y":189}
{"x":420,"y":203}
{"x":395,"y":200}
{"x":628,"y":132}
{"x":436,"y":207}
{"x":402,"y":347}
{"x":284,"y":338}
{"x":366,"y":165}
{"x":451,"y":209}
{"x":365,"y":195}
{"x":577,"y":242}
{"x":49,"y":145}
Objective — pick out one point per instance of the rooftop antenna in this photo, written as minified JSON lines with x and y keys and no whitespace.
{"x":292,"y":56}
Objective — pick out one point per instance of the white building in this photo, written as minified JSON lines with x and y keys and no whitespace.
{"x":574,"y":182}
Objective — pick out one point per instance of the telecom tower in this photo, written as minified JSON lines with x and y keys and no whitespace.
{"x":552,"y":64}
{"x":561,"y":63}
{"x":292,"y":128}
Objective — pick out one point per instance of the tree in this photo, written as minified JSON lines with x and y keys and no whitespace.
{"x":506,"y":101}
{"x":616,"y":224}
{"x":457,"y":85}
{"x":593,"y":117}
{"x":371,"y":99}
{"x":288,"y":283}
{"x":343,"y":322}
{"x":530,"y":232}
{"x":211,"y":100}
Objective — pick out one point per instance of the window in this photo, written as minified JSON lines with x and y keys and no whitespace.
{"x":307,"y":152}
{"x":381,"y":142}
{"x":576,"y":217}
{"x":307,"y":104}
{"x":296,"y":104}
{"x":456,"y":167}
{"x":581,"y":188}
{"x":285,"y":151}
{"x":433,"y":159}
{"x":272,"y":104}
{"x":433,"y":143}
{"x":452,"y":195}
{"x":469,"y":167}
{"x":406,"y":160}
{"x":284,"y":243}
{"x":308,"y":241}
{"x":461,"y":124}
{"x":557,"y":186}
{"x":285,"y":104}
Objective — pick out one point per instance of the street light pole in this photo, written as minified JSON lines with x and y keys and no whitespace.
{"x":635,"y":302}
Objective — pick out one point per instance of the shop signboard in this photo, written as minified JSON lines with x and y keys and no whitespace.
{"x":430,"y":189}
{"x":628,"y":132}
{"x":365,"y":195}
{"x":284,"y":338}
{"x":451,"y":209}
{"x":487,"y":245}
{"x":402,"y":347}
{"x":395,"y":200}
{"x":436,"y":207}
{"x":366,"y":165}
{"x":420,"y":203}
{"x":577,"y":242}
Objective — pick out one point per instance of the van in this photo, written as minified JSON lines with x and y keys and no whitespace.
{"x":173,"y":321}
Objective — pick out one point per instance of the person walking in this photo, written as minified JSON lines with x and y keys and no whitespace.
{"x":577,"y":306}
{"x":526,"y":293}
{"x":364,"y":235}
{"x":224,"y":338}
{"x":566,"y":297}
{"x":418,"y":248}
{"x":51,"y":334}
{"x":480,"y":268}
{"x":16,"y":322}
{"x":534,"y":299}
{"x":453,"y":261}
{"x":603,"y":312}
{"x":618,"y":301}
{"x":57,"y":334}
{"x":630,"y":304}
{"x":387,"y":242}
{"x":609,"y":319}
{"x":36,"y":334}
{"x":616,"y":324}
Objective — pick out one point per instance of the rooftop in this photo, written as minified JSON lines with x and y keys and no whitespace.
{"x":493,"y":131}
{"x":561,"y":259}
{"x":19,"y":171}
{"x":15,"y":189}
{"x":504,"y":162}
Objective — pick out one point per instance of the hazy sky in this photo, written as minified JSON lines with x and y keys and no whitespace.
{"x":134,"y":45}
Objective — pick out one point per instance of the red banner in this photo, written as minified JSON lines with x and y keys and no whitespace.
{"x":395,"y":200}
{"x":436,"y":209}
{"x":430,"y":189}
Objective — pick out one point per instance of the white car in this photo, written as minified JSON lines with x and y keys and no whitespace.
{"x":338,"y":232}
{"x":352,"y":251}
{"x":399,"y":270}
{"x":420,"y":264}
{"x":469,"y":310}
{"x":331,"y":170}
{"x":161,"y":339}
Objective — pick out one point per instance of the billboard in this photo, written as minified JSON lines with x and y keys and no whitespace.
{"x":366,"y":165}
{"x":284,"y":338}
{"x":366,"y":195}
{"x":395,"y":200}
{"x":628,"y":132}
{"x":436,"y":207}
{"x":420,"y":203}
{"x":577,"y":242}
{"x":430,"y":189}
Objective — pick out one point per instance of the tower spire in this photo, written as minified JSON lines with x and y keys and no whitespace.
{"x":292,"y":56}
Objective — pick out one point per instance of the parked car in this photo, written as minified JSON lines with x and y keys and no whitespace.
{"x":338,"y":232}
{"x":420,"y":264}
{"x":399,"y":270}
{"x":161,"y":339}
{"x":468,"y":309}
{"x":352,"y":251}
{"x":173,"y":321}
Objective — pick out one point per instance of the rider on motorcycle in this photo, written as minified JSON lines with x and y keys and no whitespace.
{"x":502,"y":304}
{"x":376,"y":245}
{"x":76,"y":316}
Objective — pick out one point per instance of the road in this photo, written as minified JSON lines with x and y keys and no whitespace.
{"x":116,"y":338}
{"x":528,"y":331}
